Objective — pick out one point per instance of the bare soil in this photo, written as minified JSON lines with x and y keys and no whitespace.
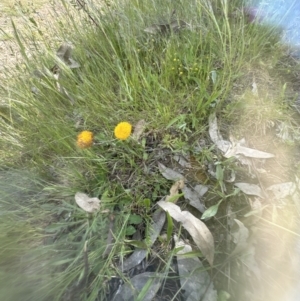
{"x":45,"y":16}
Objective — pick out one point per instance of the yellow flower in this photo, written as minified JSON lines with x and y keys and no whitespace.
{"x":123,"y":130}
{"x":85,"y":139}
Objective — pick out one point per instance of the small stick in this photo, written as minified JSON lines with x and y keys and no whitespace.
{"x":82,"y":5}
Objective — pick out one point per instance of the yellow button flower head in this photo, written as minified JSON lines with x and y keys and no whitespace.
{"x":123,"y":130}
{"x":85,"y":139}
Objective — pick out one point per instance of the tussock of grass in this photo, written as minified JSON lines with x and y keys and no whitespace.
{"x":172,"y":81}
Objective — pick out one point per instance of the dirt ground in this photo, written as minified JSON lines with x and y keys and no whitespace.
{"x":42,"y":13}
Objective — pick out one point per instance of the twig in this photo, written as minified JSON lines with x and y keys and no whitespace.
{"x":82,"y":5}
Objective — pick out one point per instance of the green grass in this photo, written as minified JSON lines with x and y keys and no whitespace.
{"x":126,"y":74}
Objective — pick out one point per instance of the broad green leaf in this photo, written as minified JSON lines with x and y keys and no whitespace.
{"x":144,"y":293}
{"x":135,"y":219}
{"x":223,"y":296}
{"x":211,"y":211}
{"x":130,"y":230}
{"x":174,"y":198}
{"x":54,"y":228}
{"x":169,"y":227}
{"x":219,"y":173}
{"x":105,"y":197}
{"x":136,"y":243}
{"x":147,"y":203}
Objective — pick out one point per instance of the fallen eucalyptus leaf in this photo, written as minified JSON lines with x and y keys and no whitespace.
{"x":194,"y":278}
{"x":261,"y":170}
{"x":282,"y":190}
{"x":196,"y":228}
{"x":174,"y":191}
{"x":256,"y":205}
{"x":256,"y":211}
{"x":247,"y":152}
{"x":158,"y":28}
{"x":201,"y":189}
{"x":169,"y":173}
{"x":181,"y":160}
{"x":215,"y":135}
{"x":194,"y":198}
{"x":73,"y":64}
{"x":86,"y":203}
{"x":249,"y":261}
{"x":149,"y":282}
{"x":240,"y":233}
{"x":230,"y":178}
{"x":250,"y":189}
{"x":64,"y":53}
{"x":138,"y":255}
{"x":138,"y":129}
{"x":230,"y":149}
{"x":174,"y":26}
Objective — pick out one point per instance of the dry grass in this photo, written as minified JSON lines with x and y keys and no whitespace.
{"x":8,"y":7}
